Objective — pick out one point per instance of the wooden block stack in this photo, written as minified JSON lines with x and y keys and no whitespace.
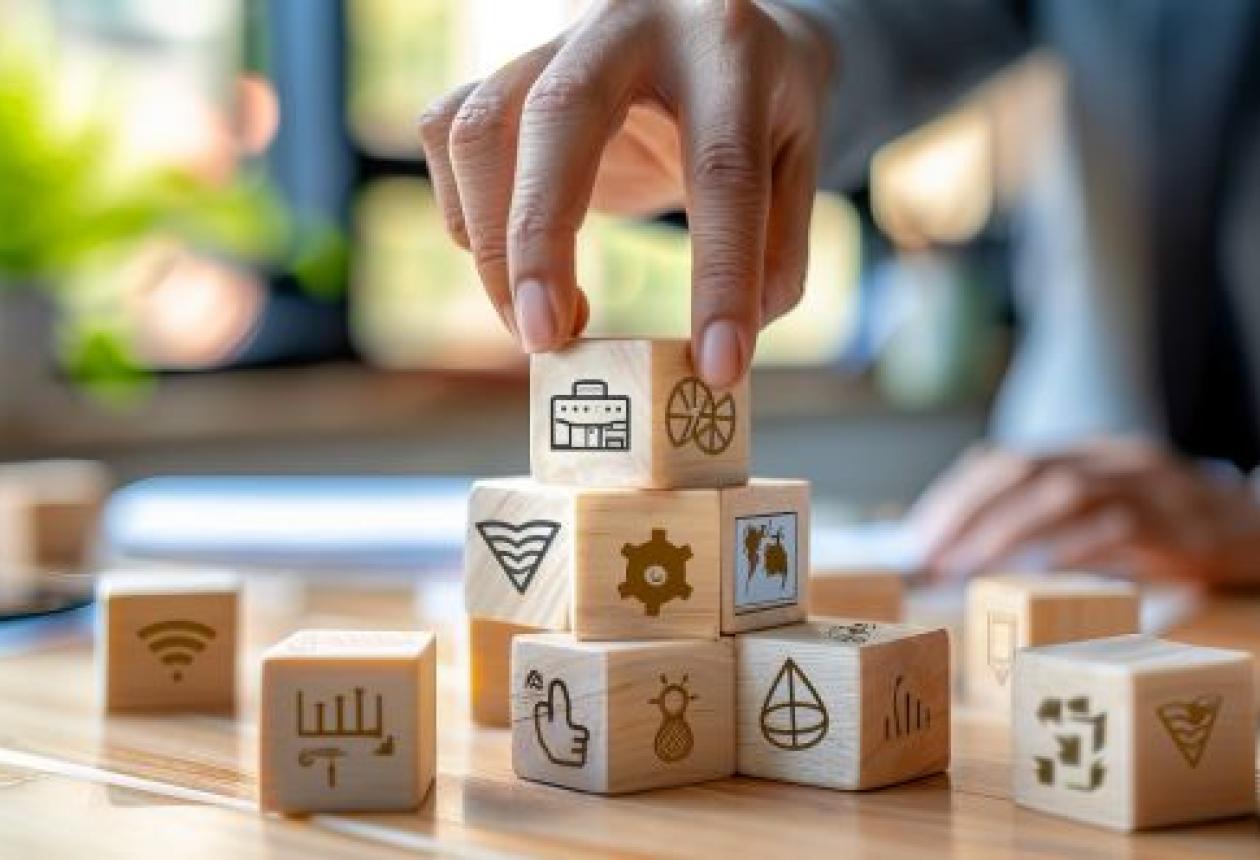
{"x":676,"y":589}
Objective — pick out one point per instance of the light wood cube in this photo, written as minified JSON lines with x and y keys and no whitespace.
{"x":1012,"y":611}
{"x":489,"y":670}
{"x":843,"y":703}
{"x":614,"y":717}
{"x":765,"y":554}
{"x":49,"y":513}
{"x":348,"y":721}
{"x":518,"y":553}
{"x":637,"y":564}
{"x":873,"y":594}
{"x":1132,"y":732}
{"x":168,"y":641}
{"x":633,"y":413}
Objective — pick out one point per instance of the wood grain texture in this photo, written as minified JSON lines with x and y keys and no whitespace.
{"x":876,"y":595}
{"x":478,"y":806}
{"x":518,"y":553}
{"x":1131,"y":731}
{"x":617,"y":717}
{"x":842,"y":703}
{"x":168,"y":641}
{"x":347,"y":721}
{"x":592,"y":384}
{"x":1012,"y":611}
{"x":639,"y":550}
{"x":755,"y":595}
{"x":489,"y":670}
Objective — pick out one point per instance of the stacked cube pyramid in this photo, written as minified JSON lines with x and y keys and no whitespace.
{"x":675,"y":589}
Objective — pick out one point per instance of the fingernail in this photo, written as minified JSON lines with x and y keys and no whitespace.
{"x":535,"y":317}
{"x":721,"y":359}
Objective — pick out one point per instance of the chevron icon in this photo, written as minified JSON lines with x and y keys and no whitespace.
{"x":519,"y":549}
{"x":1189,"y":725}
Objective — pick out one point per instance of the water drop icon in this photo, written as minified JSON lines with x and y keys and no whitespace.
{"x":793,"y":716}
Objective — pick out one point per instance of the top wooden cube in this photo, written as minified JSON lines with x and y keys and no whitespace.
{"x":633,"y":413}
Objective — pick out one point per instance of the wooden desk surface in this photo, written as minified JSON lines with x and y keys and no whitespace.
{"x":74,"y":783}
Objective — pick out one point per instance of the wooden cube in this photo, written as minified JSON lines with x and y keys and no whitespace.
{"x":873,"y":594}
{"x":348,"y":721}
{"x":843,"y":703}
{"x":168,"y":641}
{"x":1131,"y":732}
{"x":765,"y":554}
{"x":489,"y":670}
{"x":49,"y":513}
{"x":637,"y":564}
{"x":613,"y":717}
{"x":633,"y":413}
{"x":1008,"y":612}
{"x":518,"y":553}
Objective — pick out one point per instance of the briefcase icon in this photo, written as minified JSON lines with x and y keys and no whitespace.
{"x":590,"y":419}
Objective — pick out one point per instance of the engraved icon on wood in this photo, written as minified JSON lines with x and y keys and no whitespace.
{"x":340,"y":725}
{"x":856,"y":633}
{"x":176,"y":642}
{"x":793,"y":716}
{"x":1080,"y":737}
{"x":908,"y":714}
{"x":694,"y":416}
{"x":590,"y":419}
{"x":519,"y":549}
{"x":765,"y":562}
{"x":674,"y":739}
{"x":1189,"y":725}
{"x":563,"y":741}
{"x":656,"y":572}
{"x":1000,"y":638}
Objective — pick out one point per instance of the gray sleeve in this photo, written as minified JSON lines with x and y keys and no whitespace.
{"x":899,"y":62}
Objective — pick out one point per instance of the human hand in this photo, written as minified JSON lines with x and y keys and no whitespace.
{"x":1114,"y":502}
{"x":642,"y":106}
{"x":563,"y":741}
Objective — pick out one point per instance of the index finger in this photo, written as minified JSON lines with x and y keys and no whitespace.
{"x":571,"y":111}
{"x":727,"y":171}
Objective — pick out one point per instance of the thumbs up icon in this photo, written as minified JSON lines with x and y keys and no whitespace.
{"x":563,"y":740}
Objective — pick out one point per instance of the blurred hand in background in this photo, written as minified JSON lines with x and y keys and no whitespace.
{"x":1111,"y":503}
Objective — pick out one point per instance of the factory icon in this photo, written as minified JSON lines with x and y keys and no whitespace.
{"x":590,"y":419}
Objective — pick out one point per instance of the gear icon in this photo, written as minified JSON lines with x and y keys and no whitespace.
{"x":656,"y":572}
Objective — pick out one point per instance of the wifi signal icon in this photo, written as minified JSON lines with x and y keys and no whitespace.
{"x":176,"y":642}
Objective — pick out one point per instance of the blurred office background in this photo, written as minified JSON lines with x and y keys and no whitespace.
{"x":219,"y":253}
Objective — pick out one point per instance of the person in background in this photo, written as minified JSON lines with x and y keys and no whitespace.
{"x":1127,"y":423}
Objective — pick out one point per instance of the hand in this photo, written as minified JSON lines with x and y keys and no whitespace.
{"x":1118,"y":503}
{"x":642,"y":106}
{"x":563,"y":741}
